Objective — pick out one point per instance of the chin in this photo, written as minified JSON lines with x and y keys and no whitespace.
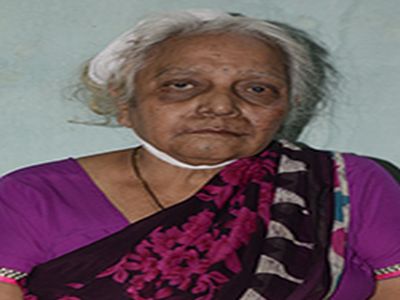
{"x":207,"y":154}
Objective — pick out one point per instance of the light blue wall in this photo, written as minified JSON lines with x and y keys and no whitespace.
{"x":44,"y":42}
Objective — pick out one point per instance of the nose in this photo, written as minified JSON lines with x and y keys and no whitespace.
{"x":218,"y":103}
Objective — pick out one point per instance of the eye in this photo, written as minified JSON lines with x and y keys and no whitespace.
{"x":257,"y":89}
{"x":179,"y":89}
{"x":180,"y":85}
{"x":262,"y":89}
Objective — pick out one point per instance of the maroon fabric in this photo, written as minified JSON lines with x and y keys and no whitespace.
{"x":206,"y":247}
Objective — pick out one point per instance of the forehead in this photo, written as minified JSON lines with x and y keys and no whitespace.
{"x":212,"y":51}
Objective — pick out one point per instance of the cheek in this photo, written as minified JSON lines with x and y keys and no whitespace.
{"x":155,"y":122}
{"x":270,"y":120}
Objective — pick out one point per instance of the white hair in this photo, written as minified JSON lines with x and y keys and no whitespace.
{"x":310,"y":74}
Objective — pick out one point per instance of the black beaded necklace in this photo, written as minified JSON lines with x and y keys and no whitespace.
{"x":143,"y":182}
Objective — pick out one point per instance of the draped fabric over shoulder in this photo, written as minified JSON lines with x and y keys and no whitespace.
{"x":260,"y":229}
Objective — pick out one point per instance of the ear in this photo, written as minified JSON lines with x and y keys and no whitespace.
{"x":123,"y":114}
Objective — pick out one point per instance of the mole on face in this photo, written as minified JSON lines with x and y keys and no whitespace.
{"x":225,"y":70}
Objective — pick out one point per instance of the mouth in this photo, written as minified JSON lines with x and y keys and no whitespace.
{"x":216,"y":131}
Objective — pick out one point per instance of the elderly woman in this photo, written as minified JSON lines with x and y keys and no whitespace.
{"x":211,"y":205}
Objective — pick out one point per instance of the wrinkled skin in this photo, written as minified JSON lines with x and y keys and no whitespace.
{"x":209,"y":98}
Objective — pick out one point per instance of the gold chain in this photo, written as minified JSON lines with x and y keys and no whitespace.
{"x":143,"y":182}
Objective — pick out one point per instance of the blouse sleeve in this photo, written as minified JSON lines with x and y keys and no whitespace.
{"x":375,"y":216}
{"x":21,"y":234}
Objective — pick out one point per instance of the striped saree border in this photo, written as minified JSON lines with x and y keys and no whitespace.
{"x":339,"y":234}
{"x":8,"y":280}
{"x":10,"y":275}
{"x":387,"y":272}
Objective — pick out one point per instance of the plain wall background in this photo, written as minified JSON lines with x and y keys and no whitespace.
{"x":43,"y":43}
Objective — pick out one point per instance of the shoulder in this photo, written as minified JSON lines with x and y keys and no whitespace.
{"x":375,"y":211}
{"x":367,"y":175}
{"x":356,"y":164}
{"x":38,"y":175}
{"x":40,"y":170}
{"x":58,"y":173}
{"x":27,"y":198}
{"x":374,"y":193}
{"x":30,"y":192}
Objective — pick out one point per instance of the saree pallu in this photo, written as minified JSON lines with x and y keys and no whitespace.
{"x":272,"y":226}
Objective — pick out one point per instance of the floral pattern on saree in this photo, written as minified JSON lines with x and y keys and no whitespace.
{"x":185,"y":257}
{"x":253,"y":227}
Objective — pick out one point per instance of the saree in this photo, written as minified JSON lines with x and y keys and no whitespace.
{"x":272,"y":226}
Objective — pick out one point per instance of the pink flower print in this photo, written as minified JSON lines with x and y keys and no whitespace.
{"x":218,"y":277}
{"x":204,"y":242}
{"x":148,"y":266}
{"x":134,"y":294}
{"x":144,"y":261}
{"x":246,"y":170}
{"x":224,"y":248}
{"x":139,"y":289}
{"x":206,"y":297}
{"x":178,"y":260}
{"x":30,"y":297}
{"x":150,"y":269}
{"x":203,"y":284}
{"x":118,"y":272}
{"x":178,"y":266}
{"x":336,"y":174}
{"x":164,"y":241}
{"x":145,"y":245}
{"x":69,"y":298}
{"x":142,"y":251}
{"x":235,"y":173}
{"x":181,"y":280}
{"x":243,"y":216}
{"x":201,"y":220}
{"x":239,"y":200}
{"x":338,"y":241}
{"x":163,"y":293}
{"x":265,"y":201}
{"x":196,"y":226}
{"x":217,"y":194}
{"x":75,"y":285}
{"x":269,"y":164}
{"x":137,"y":283}
{"x":220,"y":250}
{"x":208,"y":283}
{"x":232,"y":262}
{"x":242,"y":227}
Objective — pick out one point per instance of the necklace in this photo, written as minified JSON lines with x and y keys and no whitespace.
{"x":143,"y":182}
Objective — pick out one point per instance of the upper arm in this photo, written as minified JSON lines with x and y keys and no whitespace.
{"x":20,"y":234}
{"x":10,"y":291}
{"x":375,"y":226}
{"x":387,"y":289}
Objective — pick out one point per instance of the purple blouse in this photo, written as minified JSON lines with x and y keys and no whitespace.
{"x":54,"y":208}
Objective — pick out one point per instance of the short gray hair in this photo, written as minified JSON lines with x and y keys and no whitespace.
{"x":311,"y":75}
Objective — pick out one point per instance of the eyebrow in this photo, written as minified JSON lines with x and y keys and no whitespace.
{"x":191,"y":71}
{"x":265,"y":74}
{"x":173,"y":70}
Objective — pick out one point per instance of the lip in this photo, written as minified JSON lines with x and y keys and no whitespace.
{"x":216,"y":131}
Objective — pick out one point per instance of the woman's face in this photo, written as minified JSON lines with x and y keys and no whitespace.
{"x":210,"y":98}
